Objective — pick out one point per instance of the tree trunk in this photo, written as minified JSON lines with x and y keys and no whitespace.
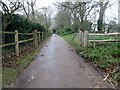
{"x":100,"y":20}
{"x":101,"y":16}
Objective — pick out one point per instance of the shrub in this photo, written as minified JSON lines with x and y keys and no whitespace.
{"x":23,"y":25}
{"x":64,"y":31}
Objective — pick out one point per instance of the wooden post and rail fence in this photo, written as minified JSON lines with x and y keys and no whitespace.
{"x":84,"y":41}
{"x":37,"y":37}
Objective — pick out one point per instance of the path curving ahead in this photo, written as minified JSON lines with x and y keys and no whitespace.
{"x":58,"y":66}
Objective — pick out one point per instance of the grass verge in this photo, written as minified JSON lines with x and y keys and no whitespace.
{"x":9,"y":74}
{"x":106,"y":56}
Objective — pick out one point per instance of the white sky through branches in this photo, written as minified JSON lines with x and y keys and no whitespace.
{"x":111,"y":13}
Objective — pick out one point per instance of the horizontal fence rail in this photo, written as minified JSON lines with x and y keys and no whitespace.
{"x":4,"y":32}
{"x":84,"y":41}
{"x":25,"y":33}
{"x":9,"y":44}
{"x":99,"y":34}
{"x":23,"y":41}
{"x":114,"y":40}
{"x":37,"y":37}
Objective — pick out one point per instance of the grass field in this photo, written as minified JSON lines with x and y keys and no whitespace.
{"x":106,"y":56}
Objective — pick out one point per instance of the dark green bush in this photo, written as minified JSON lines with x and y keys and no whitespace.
{"x":64,"y":31}
{"x":23,"y":25}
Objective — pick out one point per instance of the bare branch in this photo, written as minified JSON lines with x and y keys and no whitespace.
{"x":4,"y":7}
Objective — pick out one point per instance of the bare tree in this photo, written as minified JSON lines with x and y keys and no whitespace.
{"x":8,"y":11}
{"x":32,"y":4}
{"x":103,"y":6}
{"x":62,"y":19}
{"x":26,"y":8}
{"x":45,"y":16}
{"x":78,"y":9}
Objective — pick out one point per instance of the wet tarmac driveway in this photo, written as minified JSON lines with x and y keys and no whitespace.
{"x":58,"y":66}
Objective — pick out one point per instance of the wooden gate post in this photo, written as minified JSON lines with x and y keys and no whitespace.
{"x":80,"y":33}
{"x":81,"y":36}
{"x":16,"y":43}
{"x":42,"y":35}
{"x":35,"y":39}
{"x":85,"y":39}
{"x":39,"y":37}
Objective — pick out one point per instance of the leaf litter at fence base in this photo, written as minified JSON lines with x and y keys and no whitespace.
{"x":9,"y":59}
{"x":27,"y":54}
{"x":11,"y":66}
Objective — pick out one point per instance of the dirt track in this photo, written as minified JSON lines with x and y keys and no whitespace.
{"x":58,"y":66}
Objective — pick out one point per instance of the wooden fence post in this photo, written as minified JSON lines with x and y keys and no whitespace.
{"x":16,"y":43}
{"x":45,"y":35}
{"x":85,"y":39}
{"x":81,"y":36}
{"x":35,"y":39}
{"x":39,"y":37}
{"x":42,"y":35}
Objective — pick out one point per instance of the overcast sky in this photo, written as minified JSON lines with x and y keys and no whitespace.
{"x":110,"y":14}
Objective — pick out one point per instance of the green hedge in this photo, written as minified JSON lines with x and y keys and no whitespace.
{"x":64,"y":31}
{"x":23,"y":25}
